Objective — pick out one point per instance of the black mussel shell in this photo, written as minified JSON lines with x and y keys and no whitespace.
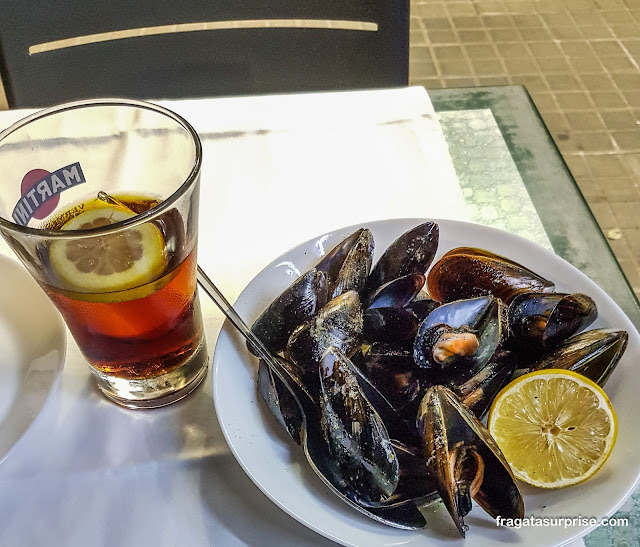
{"x":391,"y":369}
{"x":337,"y":324}
{"x":412,"y":252}
{"x":459,"y":335}
{"x":594,"y":354}
{"x":279,"y":399}
{"x":348,"y":264}
{"x":421,"y":307}
{"x":467,"y":272}
{"x":398,"y":292}
{"x":480,"y":390}
{"x":541,"y":321}
{"x":464,"y":459}
{"x":358,"y":439}
{"x":295,"y":305}
{"x":389,"y":325}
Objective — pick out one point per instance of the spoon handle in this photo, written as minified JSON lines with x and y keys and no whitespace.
{"x":405,"y":515}
{"x":233,"y":316}
{"x":237,"y":321}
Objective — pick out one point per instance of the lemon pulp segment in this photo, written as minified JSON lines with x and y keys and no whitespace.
{"x":555,"y":427}
{"x":111,"y":262}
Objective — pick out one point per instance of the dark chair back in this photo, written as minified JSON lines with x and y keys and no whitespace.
{"x":172,"y":59}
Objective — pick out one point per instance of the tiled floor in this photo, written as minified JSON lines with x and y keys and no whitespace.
{"x":580,"y":60}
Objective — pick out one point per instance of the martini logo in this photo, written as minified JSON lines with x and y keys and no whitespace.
{"x":40,"y":191}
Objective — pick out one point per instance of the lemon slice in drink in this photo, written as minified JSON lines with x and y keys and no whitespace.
{"x":112,"y":262}
{"x":555,"y":427}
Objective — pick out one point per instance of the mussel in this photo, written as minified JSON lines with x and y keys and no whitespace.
{"x":348,"y":264}
{"x":478,"y":392}
{"x":398,"y":292}
{"x":594,"y":354}
{"x":541,"y":321}
{"x":356,"y":435}
{"x":293,"y":306}
{"x":389,"y":325}
{"x":390,"y":367}
{"x":390,"y":315}
{"x":412,"y":252}
{"x":338,"y":324}
{"x":466,"y":462}
{"x":468,"y":272}
{"x":279,"y":400}
{"x":459,"y":336}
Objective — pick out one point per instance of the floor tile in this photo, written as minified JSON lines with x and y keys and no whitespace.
{"x":521,"y":65}
{"x":621,"y":189}
{"x":583,"y":120}
{"x":471,"y":36}
{"x":627,"y":141}
{"x":497,"y":21}
{"x":574,"y":100}
{"x":545,"y":49}
{"x":626,"y":213}
{"x":493,"y":80}
{"x":441,"y":36}
{"x":533,"y":82}
{"x":577,"y":164}
{"x":461,"y":9}
{"x":605,"y":48}
{"x":454,"y":67}
{"x":620,"y":119}
{"x":448,"y":52}
{"x":604,"y":215}
{"x":468,"y":22}
{"x":459,"y":82}
{"x":563,"y":82}
{"x":513,"y":49}
{"x":480,"y":51}
{"x":486,"y":67}
{"x":606,"y":166}
{"x":597,"y":82}
{"x":608,"y":99}
{"x":592,"y":191}
{"x":565,"y":33}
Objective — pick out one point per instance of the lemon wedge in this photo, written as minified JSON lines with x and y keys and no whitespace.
{"x":111,"y":262}
{"x":555,"y":427}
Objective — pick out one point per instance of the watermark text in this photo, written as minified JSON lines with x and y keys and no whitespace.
{"x":565,"y":522}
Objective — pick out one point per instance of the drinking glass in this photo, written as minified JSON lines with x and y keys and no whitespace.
{"x":99,"y":200}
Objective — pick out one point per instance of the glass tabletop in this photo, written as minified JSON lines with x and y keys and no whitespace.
{"x":568,"y":224}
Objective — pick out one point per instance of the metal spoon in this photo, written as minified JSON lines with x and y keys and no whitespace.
{"x":402,"y":515}
{"x":405,"y":515}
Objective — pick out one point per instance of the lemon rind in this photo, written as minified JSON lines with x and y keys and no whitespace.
{"x":604,"y":403}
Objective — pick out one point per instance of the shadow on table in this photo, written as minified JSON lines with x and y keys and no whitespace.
{"x":231,"y":496}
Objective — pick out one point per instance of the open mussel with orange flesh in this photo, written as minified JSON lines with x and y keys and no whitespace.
{"x":459,"y":338}
{"x":593,"y":353}
{"x":338,"y":324}
{"x":465,"y":461}
{"x":467,"y":272}
{"x":293,"y":306}
{"x":412,"y":252}
{"x":541,"y":321}
{"x":358,"y":440}
{"x":348,"y":265}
